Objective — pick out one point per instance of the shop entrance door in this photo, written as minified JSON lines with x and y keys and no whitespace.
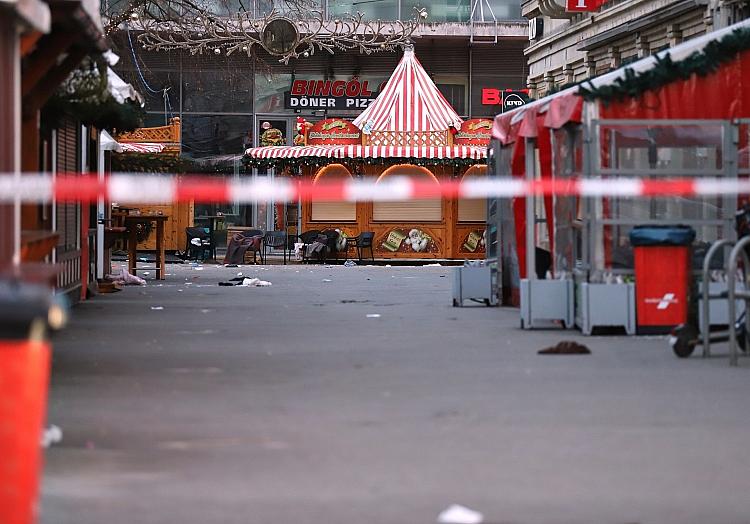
{"x":270,"y":130}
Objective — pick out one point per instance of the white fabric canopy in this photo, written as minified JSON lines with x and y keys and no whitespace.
{"x":409,"y":102}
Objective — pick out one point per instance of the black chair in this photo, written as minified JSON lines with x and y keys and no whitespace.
{"x":197,"y":250}
{"x":274,"y":240}
{"x":333,"y":240}
{"x":247,"y":234}
{"x":363,"y":242}
{"x":308,"y":237}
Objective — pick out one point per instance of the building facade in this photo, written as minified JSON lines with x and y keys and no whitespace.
{"x":223,"y":101}
{"x":568,"y":47}
{"x":472,"y":49}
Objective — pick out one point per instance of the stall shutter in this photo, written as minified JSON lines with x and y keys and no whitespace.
{"x":334,"y":212}
{"x":410,"y":211}
{"x":67,"y":162}
{"x":472,"y":210}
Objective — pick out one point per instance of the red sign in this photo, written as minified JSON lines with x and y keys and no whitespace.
{"x":583,"y":5}
{"x":492,"y":97}
{"x":474,"y":132}
{"x":333,"y":131}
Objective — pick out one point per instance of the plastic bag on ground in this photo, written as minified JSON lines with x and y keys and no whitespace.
{"x":255,"y":282}
{"x":457,"y":514}
{"x":125,"y":278}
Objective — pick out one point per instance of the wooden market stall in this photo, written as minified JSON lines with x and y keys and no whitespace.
{"x":411,"y":131}
{"x":653,"y":120}
{"x":163,"y":141}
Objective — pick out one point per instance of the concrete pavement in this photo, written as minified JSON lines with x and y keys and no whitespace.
{"x":287,"y":404}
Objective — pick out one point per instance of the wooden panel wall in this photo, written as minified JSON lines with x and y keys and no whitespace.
{"x":442,"y":239}
{"x":180,"y":216}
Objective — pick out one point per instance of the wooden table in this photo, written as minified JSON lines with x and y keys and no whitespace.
{"x":131,"y":221}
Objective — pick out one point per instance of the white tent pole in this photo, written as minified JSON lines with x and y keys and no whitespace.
{"x":100,"y":213}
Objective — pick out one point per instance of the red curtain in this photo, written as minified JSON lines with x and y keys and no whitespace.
{"x":724,"y":95}
{"x":518,"y":168}
{"x":544,"y":143}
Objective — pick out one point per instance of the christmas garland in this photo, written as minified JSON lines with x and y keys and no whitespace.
{"x":666,"y":71}
{"x":85,"y":96}
{"x":283,"y":163}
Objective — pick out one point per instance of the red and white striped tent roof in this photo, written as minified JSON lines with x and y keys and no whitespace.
{"x":409,"y":101}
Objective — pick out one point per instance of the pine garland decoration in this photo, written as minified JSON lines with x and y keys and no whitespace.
{"x":666,"y":70}
{"x":283,"y":163}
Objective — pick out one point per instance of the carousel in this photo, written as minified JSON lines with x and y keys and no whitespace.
{"x":409,"y":130}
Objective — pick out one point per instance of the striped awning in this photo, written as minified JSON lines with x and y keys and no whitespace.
{"x":141,"y":147}
{"x":361,"y":152}
{"x":292,"y":151}
{"x":409,"y":102}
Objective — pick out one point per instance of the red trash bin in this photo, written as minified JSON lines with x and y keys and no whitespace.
{"x":26,"y":312}
{"x":662,"y":257}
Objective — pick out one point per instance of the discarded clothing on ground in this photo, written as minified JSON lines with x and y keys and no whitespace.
{"x":318,"y":249}
{"x":126,"y":278}
{"x":240,"y":244}
{"x":246,"y":282}
{"x":566,"y":347}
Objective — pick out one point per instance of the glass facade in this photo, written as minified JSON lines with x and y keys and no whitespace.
{"x":372,"y":9}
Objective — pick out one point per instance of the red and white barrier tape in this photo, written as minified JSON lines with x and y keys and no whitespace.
{"x":138,"y":188}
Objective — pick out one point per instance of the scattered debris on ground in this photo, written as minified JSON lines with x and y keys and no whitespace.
{"x":126,"y":278}
{"x":51,"y":435}
{"x":457,"y":514}
{"x":255,"y":282}
{"x":566,"y":347}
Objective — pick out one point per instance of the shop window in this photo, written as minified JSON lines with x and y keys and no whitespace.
{"x":430,"y":210}
{"x":382,"y":9}
{"x":473,"y":209}
{"x":455,"y":94}
{"x":324,"y":211}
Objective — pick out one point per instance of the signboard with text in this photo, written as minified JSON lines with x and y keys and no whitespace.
{"x":333,"y":131}
{"x":340,"y":95}
{"x":474,"y":132}
{"x":583,"y":5}
{"x":508,"y":99}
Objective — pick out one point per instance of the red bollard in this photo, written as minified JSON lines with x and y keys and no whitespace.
{"x":24,"y":379}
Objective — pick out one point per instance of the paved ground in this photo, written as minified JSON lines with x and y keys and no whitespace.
{"x":288,"y":405}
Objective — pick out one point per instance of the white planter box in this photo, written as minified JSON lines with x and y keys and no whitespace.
{"x":719,"y":308}
{"x":547,"y":300}
{"x":606,"y":305}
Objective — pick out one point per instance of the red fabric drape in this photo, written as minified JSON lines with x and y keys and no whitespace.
{"x":280,"y":216}
{"x":518,"y":168}
{"x":724,"y":94}
{"x":544,"y":143}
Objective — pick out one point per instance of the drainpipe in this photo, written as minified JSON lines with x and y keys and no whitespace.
{"x":471,"y":74}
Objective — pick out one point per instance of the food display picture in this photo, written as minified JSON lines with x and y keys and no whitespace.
{"x":271,"y":136}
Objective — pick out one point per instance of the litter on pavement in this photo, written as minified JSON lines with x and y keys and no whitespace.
{"x":51,"y":435}
{"x":457,"y":514}
{"x":255,"y":282}
{"x":566,"y":347}
{"x":124,"y":277}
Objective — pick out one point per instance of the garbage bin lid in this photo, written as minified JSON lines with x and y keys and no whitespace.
{"x":662,"y":235}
